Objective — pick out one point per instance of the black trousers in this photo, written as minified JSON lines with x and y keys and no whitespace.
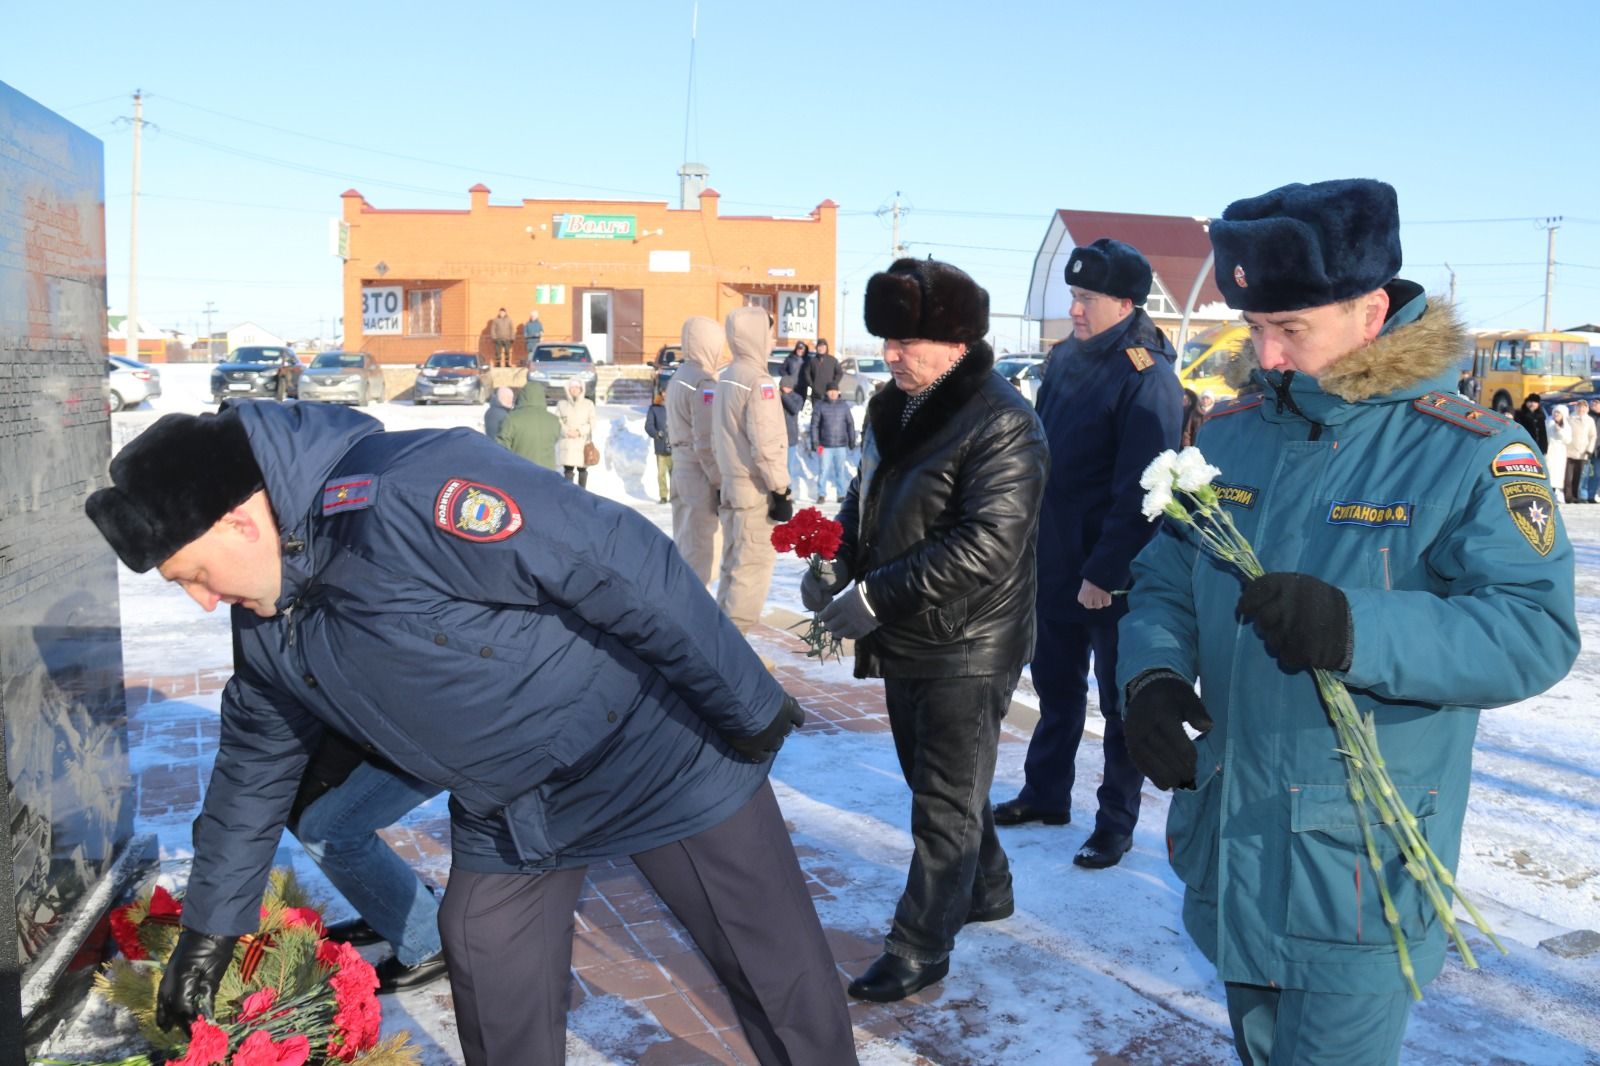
{"x":946,"y":731}
{"x":736,"y":887}
{"x":1061,"y":677}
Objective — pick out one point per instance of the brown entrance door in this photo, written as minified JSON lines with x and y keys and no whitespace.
{"x":627,"y":325}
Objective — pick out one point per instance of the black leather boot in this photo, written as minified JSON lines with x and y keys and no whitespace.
{"x":891,"y":978}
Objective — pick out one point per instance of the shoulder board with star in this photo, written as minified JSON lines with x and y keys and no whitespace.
{"x":1234,"y":406}
{"x":349,"y":492}
{"x":1461,"y":412}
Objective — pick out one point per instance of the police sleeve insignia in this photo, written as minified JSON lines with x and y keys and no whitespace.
{"x":1533,"y":512}
{"x":1140,"y":358}
{"x":473,"y":511}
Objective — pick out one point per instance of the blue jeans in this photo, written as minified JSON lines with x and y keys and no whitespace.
{"x":799,"y":473}
{"x":835,"y":469}
{"x":339,"y":830}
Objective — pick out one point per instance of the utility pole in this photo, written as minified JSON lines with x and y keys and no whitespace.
{"x":211,"y":309}
{"x":132,"y":350}
{"x":1550,"y":224}
{"x":896,"y":249}
{"x":1452,"y":271}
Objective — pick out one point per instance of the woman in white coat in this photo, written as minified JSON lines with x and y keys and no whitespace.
{"x":1559,"y":432}
{"x":577,"y":430}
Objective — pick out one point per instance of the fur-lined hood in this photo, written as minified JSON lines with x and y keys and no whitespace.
{"x":1401,"y":359}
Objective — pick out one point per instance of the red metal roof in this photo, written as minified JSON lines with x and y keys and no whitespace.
{"x":1176,"y":246}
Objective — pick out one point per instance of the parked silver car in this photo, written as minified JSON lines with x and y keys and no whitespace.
{"x":343,"y":377}
{"x":130,"y":382}
{"x":558,"y":363}
{"x":452,"y":377}
{"x":1024,"y":372}
{"x":861,"y":377}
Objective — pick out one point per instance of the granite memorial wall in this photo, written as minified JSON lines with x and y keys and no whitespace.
{"x":68,"y":815}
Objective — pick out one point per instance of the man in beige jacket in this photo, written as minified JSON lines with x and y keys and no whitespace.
{"x":752,"y":458}
{"x":694,"y":464}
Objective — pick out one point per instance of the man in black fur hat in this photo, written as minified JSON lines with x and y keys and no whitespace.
{"x":939,"y":537}
{"x":1110,"y":403}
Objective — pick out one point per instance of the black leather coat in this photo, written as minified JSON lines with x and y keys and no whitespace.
{"x":941,"y":522}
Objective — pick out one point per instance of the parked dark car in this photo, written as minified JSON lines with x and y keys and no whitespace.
{"x":670,"y":355}
{"x":257,"y":370}
{"x":1583,"y":390}
{"x":342,"y":377}
{"x":452,"y":377}
{"x":556,"y":364}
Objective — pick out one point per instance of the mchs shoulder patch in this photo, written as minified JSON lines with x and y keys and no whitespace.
{"x":1517,"y":460}
{"x":473,"y":511}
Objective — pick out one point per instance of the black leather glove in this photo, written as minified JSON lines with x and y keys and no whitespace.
{"x":817,"y":589}
{"x":766,"y":743}
{"x":1304,"y":621}
{"x":848,"y":616}
{"x":780,"y":507}
{"x":189,"y":987}
{"x":1159,"y":702}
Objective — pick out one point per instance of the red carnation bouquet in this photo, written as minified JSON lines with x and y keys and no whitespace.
{"x":289,"y":998}
{"x":815,"y":539}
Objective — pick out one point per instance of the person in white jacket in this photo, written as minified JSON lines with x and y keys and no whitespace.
{"x":1579,"y":451}
{"x":1559,"y":433}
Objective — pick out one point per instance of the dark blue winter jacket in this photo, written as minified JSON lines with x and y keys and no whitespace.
{"x":540,"y":652}
{"x":1109,"y":405}
{"x":832,"y":424}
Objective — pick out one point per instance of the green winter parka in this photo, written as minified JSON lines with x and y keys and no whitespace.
{"x":1435,"y":518}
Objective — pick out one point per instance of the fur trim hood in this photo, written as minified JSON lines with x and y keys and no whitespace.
{"x":1404,"y":358}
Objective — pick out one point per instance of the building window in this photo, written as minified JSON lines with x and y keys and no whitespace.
{"x":422,"y":312}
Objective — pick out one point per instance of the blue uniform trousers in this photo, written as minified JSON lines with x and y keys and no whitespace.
{"x":1061,"y":677}
{"x":1291,"y":1027}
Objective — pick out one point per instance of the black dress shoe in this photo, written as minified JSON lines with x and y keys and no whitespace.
{"x":1103,"y":849}
{"x":396,"y":976}
{"x":353,"y":931}
{"x":1017,"y":812}
{"x":892,"y":978}
{"x":992,"y":913}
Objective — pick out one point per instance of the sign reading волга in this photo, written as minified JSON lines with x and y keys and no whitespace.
{"x":380,"y":310}
{"x":595,"y":227}
{"x":797,"y":315}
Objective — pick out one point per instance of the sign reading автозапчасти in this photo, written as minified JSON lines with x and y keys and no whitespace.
{"x":595,"y":227}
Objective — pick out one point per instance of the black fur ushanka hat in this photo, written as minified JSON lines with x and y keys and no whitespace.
{"x":171,"y":484}
{"x":1112,"y":267}
{"x":1305,"y":246}
{"x":924,"y":299}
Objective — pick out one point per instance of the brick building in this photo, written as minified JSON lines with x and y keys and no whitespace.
{"x":620,"y":276}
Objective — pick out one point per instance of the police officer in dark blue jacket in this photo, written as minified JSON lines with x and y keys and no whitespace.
{"x":1110,"y":402}
{"x":542,"y":653}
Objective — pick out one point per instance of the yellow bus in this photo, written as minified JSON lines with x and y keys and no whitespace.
{"x":1208,"y":354}
{"x":1512,"y":364}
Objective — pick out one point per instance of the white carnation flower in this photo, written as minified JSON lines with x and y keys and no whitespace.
{"x":1159,"y":472}
{"x":1157,"y":500}
{"x":1191,"y":471}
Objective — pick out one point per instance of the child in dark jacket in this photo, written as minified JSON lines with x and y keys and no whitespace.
{"x":833,"y":431}
{"x":655,"y":427}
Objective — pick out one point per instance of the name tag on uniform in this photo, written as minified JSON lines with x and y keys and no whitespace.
{"x":1361,"y":513}
{"x":1238,"y":495}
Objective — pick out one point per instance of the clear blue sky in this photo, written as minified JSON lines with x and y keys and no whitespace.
{"x":984,"y":117}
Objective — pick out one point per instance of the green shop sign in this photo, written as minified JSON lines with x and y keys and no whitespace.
{"x":595,"y":227}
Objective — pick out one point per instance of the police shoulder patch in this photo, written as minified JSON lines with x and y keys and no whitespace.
{"x":1517,"y":460}
{"x":474,"y":511}
{"x":1140,"y":358}
{"x":349,"y":492}
{"x":1460,"y":412}
{"x":1533,"y":512}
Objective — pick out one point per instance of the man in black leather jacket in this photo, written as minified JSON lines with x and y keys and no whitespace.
{"x":940,"y":525}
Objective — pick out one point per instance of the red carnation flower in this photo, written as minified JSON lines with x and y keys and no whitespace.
{"x":259,"y":1049}
{"x":208,"y":1045}
{"x":126,"y":933}
{"x":293,"y":916}
{"x":256,"y":1004}
{"x":162,"y":905}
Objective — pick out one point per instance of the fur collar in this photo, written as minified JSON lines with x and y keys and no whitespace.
{"x":1409,"y":355}
{"x":885,"y":409}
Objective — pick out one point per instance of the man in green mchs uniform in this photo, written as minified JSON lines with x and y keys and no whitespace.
{"x":1412,"y":548}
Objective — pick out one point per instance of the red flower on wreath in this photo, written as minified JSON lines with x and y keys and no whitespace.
{"x":162,"y":909}
{"x":259,"y":1049}
{"x":208,"y":1045}
{"x":257,"y":1003}
{"x":357,"y":1016}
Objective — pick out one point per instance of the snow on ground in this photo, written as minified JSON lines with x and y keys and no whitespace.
{"x":1092,"y":960}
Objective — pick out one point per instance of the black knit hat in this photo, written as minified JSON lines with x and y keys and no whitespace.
{"x":1307,"y":245}
{"x":924,"y":299}
{"x":1111,"y":267}
{"x":171,"y":484}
